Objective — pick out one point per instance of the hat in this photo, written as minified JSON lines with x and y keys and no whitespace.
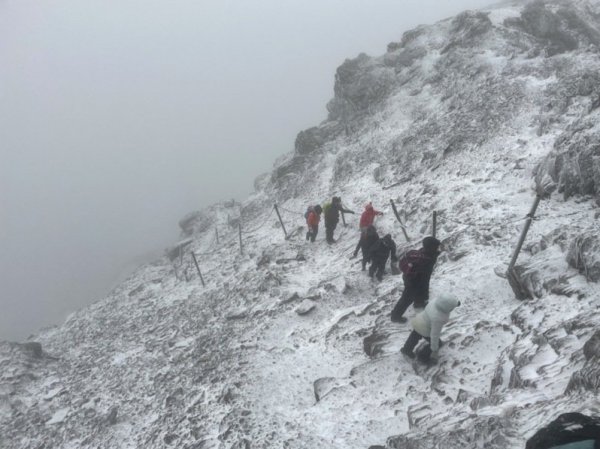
{"x":431,"y":243}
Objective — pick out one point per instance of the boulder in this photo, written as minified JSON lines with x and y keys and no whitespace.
{"x":306,"y":307}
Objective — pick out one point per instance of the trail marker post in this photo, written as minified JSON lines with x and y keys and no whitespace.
{"x":511,"y":274}
{"x":240,"y":235}
{"x":281,"y":221}
{"x":399,"y":220}
{"x":198,"y":268}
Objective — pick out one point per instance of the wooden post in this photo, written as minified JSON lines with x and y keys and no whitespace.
{"x":281,"y":221}
{"x":217,"y":234}
{"x":398,"y":218}
{"x":198,"y":268}
{"x":240,"y":234}
{"x":434,"y":223}
{"x":530,"y":216}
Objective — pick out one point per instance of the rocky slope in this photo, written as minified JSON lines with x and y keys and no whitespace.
{"x":289,"y":344}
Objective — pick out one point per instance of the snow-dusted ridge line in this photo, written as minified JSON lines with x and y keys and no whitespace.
{"x":466,"y":117}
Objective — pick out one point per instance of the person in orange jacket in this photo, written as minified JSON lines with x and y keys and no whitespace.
{"x":366,"y":219}
{"x":313,"y":217}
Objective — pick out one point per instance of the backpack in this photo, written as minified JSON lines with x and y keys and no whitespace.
{"x":309,"y":209}
{"x":409,"y":263}
{"x":326,"y":208}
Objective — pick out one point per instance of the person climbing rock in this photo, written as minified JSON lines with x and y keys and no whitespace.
{"x":370,"y":239}
{"x":367,"y":219}
{"x":313,"y":217}
{"x":380,"y":252}
{"x":428,"y":325}
{"x":332,"y":216}
{"x":417,"y":267}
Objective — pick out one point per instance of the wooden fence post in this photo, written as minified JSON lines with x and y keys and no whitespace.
{"x":281,"y":221}
{"x":198,"y":268}
{"x":399,"y":220}
{"x":240,"y":235}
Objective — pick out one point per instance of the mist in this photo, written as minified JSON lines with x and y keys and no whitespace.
{"x":119,"y":117}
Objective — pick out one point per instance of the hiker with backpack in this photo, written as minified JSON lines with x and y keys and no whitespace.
{"x":379,"y":253}
{"x":367,"y":219}
{"x":428,"y":325}
{"x":370,"y":239}
{"x":332,"y":217}
{"x":313,"y":217}
{"x":417,"y":267}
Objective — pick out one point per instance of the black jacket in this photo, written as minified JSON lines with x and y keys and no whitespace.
{"x":382,"y":249}
{"x":332,"y":215}
{"x":419,"y":283}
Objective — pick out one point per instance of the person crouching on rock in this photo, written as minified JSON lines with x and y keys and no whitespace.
{"x":380,"y":252}
{"x":332,"y":217}
{"x":428,"y":325}
{"x":312,"y":222}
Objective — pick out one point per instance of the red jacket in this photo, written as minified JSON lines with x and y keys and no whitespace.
{"x":313,"y":219}
{"x":368,"y":216}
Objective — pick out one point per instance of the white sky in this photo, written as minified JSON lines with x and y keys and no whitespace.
{"x":118,"y":117}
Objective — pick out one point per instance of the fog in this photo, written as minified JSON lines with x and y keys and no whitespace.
{"x":119,"y":117}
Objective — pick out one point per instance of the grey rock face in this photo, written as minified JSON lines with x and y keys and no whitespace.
{"x":359,"y":84}
{"x":584,"y":255}
{"x":574,"y":164}
{"x":591,"y":348}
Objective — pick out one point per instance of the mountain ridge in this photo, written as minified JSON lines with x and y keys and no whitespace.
{"x":471,"y":117}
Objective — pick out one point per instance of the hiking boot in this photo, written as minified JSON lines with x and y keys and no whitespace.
{"x":407,"y":353}
{"x":398,"y":319}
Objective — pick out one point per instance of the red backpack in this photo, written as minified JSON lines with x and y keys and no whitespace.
{"x":410,"y":263}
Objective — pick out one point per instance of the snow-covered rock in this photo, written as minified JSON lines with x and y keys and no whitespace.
{"x":471,"y":118}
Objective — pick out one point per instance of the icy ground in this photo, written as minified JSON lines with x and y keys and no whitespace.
{"x":289,"y":345}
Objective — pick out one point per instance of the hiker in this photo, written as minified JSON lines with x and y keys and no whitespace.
{"x":370,"y":239}
{"x":366,"y":219}
{"x":379,"y":253}
{"x":416,"y":266}
{"x":313,"y":217}
{"x":428,"y":325}
{"x":332,"y":216}
{"x":568,"y":431}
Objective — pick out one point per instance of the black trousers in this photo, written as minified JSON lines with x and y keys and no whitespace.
{"x":412,"y":293}
{"x":312,"y":233}
{"x":329,"y":228}
{"x":413,"y":339}
{"x":411,"y":342}
{"x":377,"y":268}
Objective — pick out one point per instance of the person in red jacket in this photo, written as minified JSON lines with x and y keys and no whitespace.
{"x":312,"y":221}
{"x":366,"y":219}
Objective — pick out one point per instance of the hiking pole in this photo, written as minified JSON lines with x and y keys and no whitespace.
{"x":434,"y":223}
{"x":198,"y":268}
{"x":343,"y":219}
{"x":281,"y":221}
{"x":398,"y":218}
